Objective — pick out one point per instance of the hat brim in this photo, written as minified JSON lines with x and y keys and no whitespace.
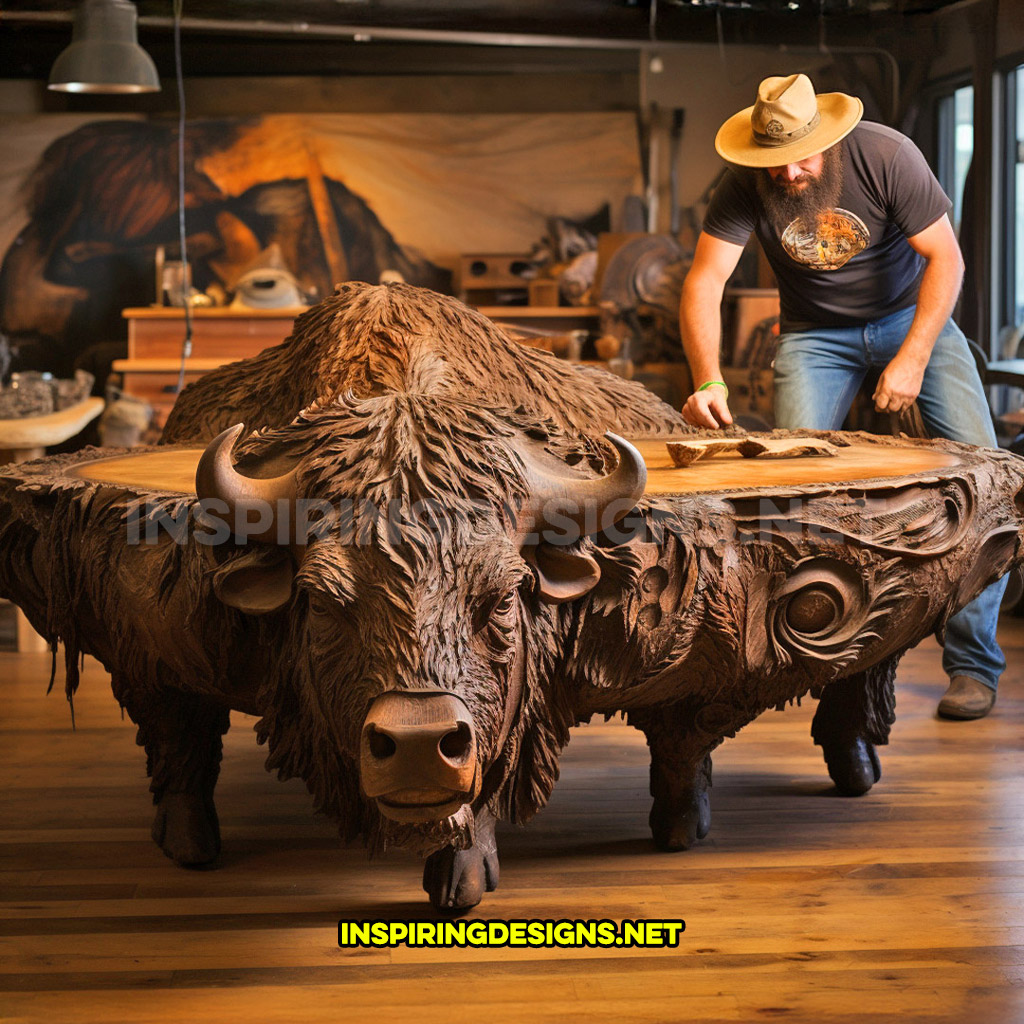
{"x":839,"y":116}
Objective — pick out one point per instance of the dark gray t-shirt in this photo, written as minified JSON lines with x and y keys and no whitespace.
{"x":855,"y":265}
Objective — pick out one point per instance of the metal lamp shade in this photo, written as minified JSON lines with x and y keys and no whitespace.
{"x":104,"y":55}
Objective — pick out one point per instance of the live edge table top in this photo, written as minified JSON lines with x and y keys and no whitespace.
{"x":174,"y":469}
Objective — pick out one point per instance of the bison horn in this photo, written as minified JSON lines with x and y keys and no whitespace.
{"x":591,"y":505}
{"x":217,"y":479}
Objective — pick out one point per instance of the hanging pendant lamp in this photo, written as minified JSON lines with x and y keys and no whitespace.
{"x":104,"y":55}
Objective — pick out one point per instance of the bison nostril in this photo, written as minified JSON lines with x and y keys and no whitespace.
{"x":457,"y":744}
{"x":380,"y":743}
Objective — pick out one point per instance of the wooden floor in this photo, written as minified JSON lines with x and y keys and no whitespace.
{"x":904,"y":905}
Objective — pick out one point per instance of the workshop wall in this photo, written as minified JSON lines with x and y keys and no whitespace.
{"x":86,"y":201}
{"x":431,"y":165}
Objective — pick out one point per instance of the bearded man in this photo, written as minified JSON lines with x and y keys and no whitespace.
{"x":857,"y":231}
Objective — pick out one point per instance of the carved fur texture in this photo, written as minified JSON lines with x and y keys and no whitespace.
{"x":369,"y":339}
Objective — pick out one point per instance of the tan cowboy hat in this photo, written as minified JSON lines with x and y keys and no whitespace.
{"x":788,"y":123}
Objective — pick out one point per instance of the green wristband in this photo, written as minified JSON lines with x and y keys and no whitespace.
{"x":712,"y":383}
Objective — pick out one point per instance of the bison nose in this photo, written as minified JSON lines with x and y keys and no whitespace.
{"x":418,"y":755}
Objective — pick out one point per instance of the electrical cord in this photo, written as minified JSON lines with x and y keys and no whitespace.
{"x":186,"y":282}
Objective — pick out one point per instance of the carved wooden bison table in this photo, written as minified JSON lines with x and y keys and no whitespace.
{"x":419,"y":585}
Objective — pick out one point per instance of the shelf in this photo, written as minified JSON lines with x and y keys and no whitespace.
{"x":216,"y":313}
{"x":194,"y":364}
{"x":538,"y":312}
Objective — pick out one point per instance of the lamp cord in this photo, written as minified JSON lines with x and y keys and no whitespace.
{"x":186,"y":283}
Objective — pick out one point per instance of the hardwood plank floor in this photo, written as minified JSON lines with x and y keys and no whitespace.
{"x":906,"y":904}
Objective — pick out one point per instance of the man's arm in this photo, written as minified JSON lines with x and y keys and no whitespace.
{"x":900,"y":383}
{"x":700,"y":324}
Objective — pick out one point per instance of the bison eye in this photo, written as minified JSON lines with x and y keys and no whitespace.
{"x":496,"y":610}
{"x":320,"y":605}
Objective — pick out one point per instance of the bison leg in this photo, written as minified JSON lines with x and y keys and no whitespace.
{"x":680,"y":777}
{"x":855,"y":714}
{"x":457,"y":879}
{"x":182,"y":736}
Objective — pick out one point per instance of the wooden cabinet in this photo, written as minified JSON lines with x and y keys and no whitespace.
{"x":156,"y":334}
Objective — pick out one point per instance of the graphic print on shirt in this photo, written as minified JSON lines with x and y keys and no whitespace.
{"x":836,"y":237}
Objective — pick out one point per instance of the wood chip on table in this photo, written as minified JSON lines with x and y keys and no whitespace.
{"x":685,"y":453}
{"x":778,"y":448}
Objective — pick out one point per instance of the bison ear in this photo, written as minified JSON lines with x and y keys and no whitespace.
{"x":256,"y":582}
{"x":562,"y":575}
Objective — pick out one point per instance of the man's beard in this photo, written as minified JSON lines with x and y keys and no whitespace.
{"x":783,"y":204}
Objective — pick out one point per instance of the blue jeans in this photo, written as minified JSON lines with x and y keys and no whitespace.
{"x":817,"y":375}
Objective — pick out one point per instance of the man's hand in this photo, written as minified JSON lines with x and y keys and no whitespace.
{"x":708,"y":408}
{"x":900,"y":384}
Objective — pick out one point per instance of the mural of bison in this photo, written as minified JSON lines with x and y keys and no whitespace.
{"x":104,"y":197}
{"x":419,"y":584}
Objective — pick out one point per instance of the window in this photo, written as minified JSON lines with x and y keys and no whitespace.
{"x":956,"y":145}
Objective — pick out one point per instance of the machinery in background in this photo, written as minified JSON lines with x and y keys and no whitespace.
{"x":639,"y":300}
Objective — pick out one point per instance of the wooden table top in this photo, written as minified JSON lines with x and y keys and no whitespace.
{"x":175,"y":469}
{"x":53,"y":428}
{"x":732,"y":472}
{"x":1006,"y":371}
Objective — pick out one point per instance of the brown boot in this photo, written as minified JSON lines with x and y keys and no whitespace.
{"x":966,"y":698}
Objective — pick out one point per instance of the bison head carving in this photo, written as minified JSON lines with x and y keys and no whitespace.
{"x":421,"y":551}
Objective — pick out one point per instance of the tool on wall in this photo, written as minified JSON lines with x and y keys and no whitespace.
{"x":674,"y":150}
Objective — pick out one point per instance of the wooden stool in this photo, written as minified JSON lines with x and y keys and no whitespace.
{"x":25,"y":439}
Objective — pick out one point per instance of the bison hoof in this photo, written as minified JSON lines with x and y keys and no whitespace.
{"x":458,"y":879}
{"x":678,"y":828}
{"x":186,"y":829}
{"x":853,"y":766}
